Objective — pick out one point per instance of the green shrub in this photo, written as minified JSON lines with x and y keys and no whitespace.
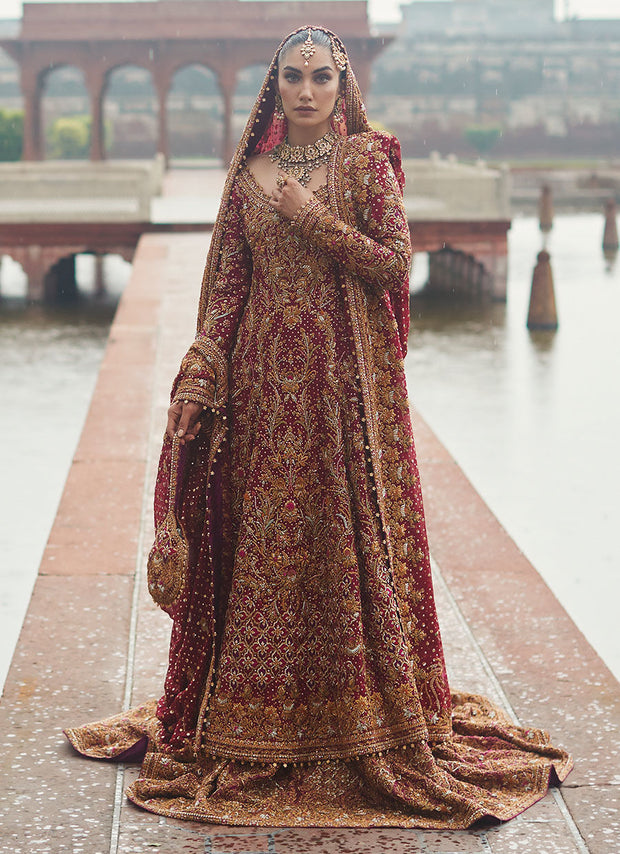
{"x":11,"y":134}
{"x":482,"y":137}
{"x":68,"y":138}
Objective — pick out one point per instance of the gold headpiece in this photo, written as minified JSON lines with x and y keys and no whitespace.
{"x":308,"y":48}
{"x":339,"y":56}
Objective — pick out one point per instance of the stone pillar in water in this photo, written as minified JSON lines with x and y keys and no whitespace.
{"x":99,"y":276}
{"x":542,"y":313}
{"x":60,"y":283}
{"x":545,"y":209}
{"x":610,"y":235}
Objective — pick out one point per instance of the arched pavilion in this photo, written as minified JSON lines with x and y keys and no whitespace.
{"x":162,"y":37}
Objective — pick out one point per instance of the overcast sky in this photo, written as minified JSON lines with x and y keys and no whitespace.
{"x":388,"y":10}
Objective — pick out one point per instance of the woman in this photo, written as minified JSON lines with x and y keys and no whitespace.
{"x":306,"y":682}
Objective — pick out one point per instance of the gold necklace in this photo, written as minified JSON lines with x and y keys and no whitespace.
{"x":298,"y":161}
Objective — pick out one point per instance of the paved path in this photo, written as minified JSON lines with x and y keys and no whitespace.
{"x":189,"y":196}
{"x":93,"y":642}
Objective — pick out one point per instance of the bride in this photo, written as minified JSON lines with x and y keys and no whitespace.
{"x":306,"y":681}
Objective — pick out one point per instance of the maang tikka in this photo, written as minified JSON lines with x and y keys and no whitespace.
{"x":308,"y":48}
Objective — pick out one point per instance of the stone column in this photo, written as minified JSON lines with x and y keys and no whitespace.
{"x":31,"y":90}
{"x":62,"y":282}
{"x":100,"y":284}
{"x":96,"y":88}
{"x":34,"y":265}
{"x":545,"y":209}
{"x":227,"y":79}
{"x":163,"y":144}
{"x":542,"y":312}
{"x":610,"y":234}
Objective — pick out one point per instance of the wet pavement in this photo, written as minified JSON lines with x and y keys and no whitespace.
{"x":93,"y":642}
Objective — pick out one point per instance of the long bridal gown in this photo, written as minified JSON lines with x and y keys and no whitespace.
{"x":307,"y":683}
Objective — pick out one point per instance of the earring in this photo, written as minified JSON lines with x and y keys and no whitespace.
{"x":338,"y":112}
{"x":279,"y":108}
{"x":339,"y":116}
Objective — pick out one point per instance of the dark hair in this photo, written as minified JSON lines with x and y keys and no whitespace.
{"x":319,"y":37}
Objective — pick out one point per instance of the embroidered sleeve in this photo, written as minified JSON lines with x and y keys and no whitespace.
{"x":203,"y":377}
{"x":379,"y":249}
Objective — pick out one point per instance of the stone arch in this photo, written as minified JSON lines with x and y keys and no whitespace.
{"x":195,"y":112}
{"x":62,"y":273}
{"x":102,"y":273}
{"x":64,"y":94}
{"x":455,"y":271}
{"x":45,"y":267}
{"x":130,"y":110}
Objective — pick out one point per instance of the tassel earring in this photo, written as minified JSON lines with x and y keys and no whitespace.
{"x":338,"y":111}
{"x":279,"y":108}
{"x":339,"y":118}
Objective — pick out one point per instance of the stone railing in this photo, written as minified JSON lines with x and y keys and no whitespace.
{"x":444,"y":189}
{"x":79,"y":191}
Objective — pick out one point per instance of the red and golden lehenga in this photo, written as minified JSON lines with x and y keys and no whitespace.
{"x":306,"y":682}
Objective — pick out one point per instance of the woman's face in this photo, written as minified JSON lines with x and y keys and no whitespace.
{"x":309,"y":91}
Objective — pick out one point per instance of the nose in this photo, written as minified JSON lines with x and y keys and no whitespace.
{"x":306,"y":90}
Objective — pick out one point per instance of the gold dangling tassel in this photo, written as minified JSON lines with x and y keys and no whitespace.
{"x":279,"y":108}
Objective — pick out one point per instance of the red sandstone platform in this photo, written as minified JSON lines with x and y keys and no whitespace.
{"x":93,"y":642}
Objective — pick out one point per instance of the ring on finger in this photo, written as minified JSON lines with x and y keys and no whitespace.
{"x":281,"y":181}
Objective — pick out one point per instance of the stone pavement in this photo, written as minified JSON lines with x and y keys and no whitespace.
{"x":93,"y":642}
{"x":189,"y":196}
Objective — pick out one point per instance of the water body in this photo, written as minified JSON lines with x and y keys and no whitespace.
{"x":533,"y":419}
{"x":49,"y":360}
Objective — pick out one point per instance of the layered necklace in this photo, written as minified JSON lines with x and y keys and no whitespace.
{"x":298,"y":161}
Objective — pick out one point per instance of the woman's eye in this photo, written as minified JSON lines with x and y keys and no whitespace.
{"x":323,"y":78}
{"x":291,"y":78}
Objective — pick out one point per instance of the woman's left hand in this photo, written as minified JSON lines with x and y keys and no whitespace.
{"x":288,"y":198}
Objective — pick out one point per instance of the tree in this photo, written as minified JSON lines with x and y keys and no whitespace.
{"x":482,"y":137}
{"x":69,"y":137}
{"x":11,"y":134}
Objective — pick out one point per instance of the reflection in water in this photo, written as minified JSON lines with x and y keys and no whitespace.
{"x":543,"y":340}
{"x":433,"y":312}
{"x":49,"y":358}
{"x":611,"y":257}
{"x":533,"y":418}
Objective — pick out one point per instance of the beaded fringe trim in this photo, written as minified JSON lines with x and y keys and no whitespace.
{"x":306,"y":763}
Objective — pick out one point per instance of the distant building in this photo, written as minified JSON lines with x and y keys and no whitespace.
{"x":494,"y":18}
{"x":600,"y":29}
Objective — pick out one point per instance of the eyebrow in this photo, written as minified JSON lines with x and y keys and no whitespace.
{"x":316,"y":70}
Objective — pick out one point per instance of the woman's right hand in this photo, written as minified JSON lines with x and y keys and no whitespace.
{"x":184,"y":420}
